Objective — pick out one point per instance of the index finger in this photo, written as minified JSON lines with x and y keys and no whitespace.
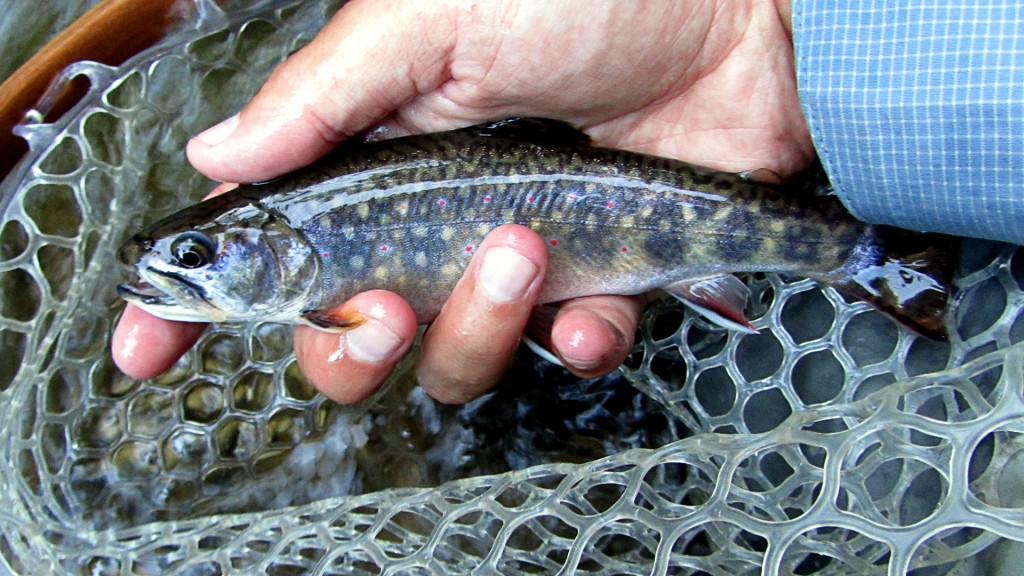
{"x":144,"y":346}
{"x":369,"y":59}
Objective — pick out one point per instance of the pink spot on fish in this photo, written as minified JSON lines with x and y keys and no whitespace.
{"x":326,"y":254}
{"x":530,"y":199}
{"x":442,"y":202}
{"x":487,"y":199}
{"x":624,"y":249}
{"x":571,"y":198}
{"x":553,"y":242}
{"x":384,"y":247}
{"x":610,"y":204}
{"x":469,"y":247}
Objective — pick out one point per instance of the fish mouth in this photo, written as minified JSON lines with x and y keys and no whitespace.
{"x":142,"y":292}
{"x":191,"y":290}
{"x":170,"y":296}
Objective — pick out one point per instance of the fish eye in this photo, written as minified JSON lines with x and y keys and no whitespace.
{"x":192,"y":250}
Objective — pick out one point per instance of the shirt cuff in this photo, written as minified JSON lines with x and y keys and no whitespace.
{"x":917,"y":110}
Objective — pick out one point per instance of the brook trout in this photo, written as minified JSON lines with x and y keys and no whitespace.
{"x":407,"y":215}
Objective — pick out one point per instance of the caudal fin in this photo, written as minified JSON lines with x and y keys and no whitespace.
{"x":906,"y":275}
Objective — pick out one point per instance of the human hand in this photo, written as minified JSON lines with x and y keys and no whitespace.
{"x":708,"y":82}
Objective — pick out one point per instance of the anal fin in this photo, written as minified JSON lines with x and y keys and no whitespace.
{"x":720,"y":298}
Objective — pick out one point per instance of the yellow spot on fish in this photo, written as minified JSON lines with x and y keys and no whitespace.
{"x":446,"y":233}
{"x":402,"y":208}
{"x":449,"y":270}
{"x":380,"y":273}
{"x":689,"y":214}
{"x":325,"y":221}
{"x":627,"y":221}
{"x":363,"y":210}
{"x":420,"y":259}
{"x":356,"y":262}
{"x":483,"y":229}
{"x":420,"y":231}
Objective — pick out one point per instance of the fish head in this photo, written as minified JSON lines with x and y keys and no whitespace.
{"x":230,"y":269}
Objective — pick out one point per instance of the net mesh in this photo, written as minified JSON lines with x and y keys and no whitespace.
{"x":831,"y":442}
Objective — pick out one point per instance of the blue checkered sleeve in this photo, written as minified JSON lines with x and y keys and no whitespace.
{"x":916,"y":109}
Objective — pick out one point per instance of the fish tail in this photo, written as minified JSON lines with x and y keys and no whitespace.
{"x":907,"y":275}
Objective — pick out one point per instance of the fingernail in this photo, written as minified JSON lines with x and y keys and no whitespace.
{"x":216,"y":134}
{"x":372,"y":342}
{"x":505,"y":274}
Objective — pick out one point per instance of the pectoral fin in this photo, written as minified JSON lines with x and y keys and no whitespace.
{"x":336,"y":319}
{"x":541,"y":351}
{"x":721,"y":299}
{"x":542,"y":320}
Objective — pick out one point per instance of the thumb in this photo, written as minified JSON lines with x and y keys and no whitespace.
{"x":371,"y":57}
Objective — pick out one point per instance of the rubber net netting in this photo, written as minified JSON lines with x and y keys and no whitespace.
{"x":831,"y":442}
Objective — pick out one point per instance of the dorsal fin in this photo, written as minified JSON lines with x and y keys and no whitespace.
{"x":762,"y":176}
{"x":539,"y":130}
